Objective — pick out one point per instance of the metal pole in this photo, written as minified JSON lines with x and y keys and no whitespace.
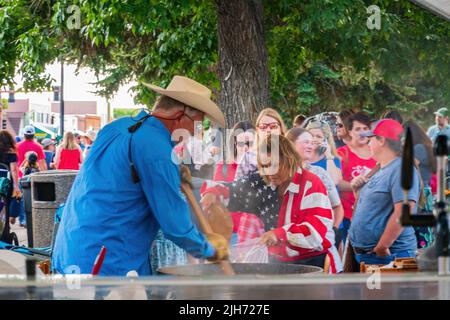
{"x":108,"y":116}
{"x":61,"y":101}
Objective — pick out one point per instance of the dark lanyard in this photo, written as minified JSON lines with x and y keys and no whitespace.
{"x":132,"y":129}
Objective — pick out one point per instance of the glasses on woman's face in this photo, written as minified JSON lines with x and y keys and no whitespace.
{"x":270,"y":126}
{"x":242,"y":144}
{"x":340,"y":125}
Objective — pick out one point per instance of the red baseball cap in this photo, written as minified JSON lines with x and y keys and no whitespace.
{"x":387,"y":128}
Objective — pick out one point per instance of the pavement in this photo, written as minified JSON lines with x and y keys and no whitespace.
{"x":21,"y":233}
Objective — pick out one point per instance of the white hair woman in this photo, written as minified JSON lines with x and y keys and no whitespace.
{"x":325,"y":155}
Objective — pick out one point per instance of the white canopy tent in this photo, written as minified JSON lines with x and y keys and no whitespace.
{"x":439,"y":7}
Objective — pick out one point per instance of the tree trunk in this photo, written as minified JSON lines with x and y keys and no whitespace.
{"x":243,"y":64}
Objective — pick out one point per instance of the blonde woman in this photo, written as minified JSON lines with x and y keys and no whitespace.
{"x":68,"y":154}
{"x":325,"y":155}
{"x":270,"y":121}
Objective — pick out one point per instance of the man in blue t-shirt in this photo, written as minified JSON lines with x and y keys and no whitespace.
{"x":375,"y":234}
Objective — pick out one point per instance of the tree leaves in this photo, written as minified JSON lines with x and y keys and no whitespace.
{"x":322,"y":56}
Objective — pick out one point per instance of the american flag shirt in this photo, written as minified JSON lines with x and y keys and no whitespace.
{"x":246,"y":225}
{"x":302,"y":220}
{"x":249,"y":194}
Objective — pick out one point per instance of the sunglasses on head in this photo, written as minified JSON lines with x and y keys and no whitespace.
{"x":318,"y":121}
{"x":271,"y":126}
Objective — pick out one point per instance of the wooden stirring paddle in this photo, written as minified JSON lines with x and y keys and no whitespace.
{"x":203,"y":222}
{"x":220,"y":220}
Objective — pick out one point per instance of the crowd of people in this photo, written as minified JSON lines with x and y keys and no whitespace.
{"x":25,"y":155}
{"x":330,"y":181}
{"x":322,"y":196}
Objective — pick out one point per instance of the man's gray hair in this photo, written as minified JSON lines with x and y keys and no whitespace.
{"x":166,"y":103}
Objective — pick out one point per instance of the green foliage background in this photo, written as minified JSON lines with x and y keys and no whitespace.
{"x":322,"y":56}
{"x":123,"y":112}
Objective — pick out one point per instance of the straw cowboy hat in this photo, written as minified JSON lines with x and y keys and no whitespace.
{"x":192,"y":94}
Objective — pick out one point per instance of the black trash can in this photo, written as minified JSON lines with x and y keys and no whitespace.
{"x":25,"y":184}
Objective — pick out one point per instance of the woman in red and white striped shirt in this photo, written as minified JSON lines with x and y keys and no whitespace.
{"x":292,"y":202}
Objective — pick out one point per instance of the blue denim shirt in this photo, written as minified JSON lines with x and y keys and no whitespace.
{"x":375,"y":206}
{"x":105,"y":207}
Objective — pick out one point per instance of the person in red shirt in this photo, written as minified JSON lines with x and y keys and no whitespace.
{"x":356,"y":162}
{"x":30,"y":145}
{"x":69,"y":155}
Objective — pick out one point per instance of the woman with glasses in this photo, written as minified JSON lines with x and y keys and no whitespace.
{"x":242,"y":143}
{"x":242,"y":154}
{"x":291,"y":202}
{"x":325,"y":155}
{"x":241,"y":163}
{"x":342,"y":135}
{"x":270,"y":121}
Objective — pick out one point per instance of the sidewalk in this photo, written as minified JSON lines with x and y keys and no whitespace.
{"x":21,"y":234}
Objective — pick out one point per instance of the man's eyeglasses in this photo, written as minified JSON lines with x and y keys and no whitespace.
{"x":187,"y":116}
{"x":197,"y":123}
{"x":242,"y":144}
{"x":271,"y":126}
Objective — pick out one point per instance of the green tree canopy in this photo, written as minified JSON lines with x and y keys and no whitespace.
{"x":322,"y":55}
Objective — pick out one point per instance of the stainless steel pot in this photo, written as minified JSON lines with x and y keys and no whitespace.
{"x":213,"y":269}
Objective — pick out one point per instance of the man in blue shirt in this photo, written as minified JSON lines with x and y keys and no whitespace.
{"x":441,"y":127}
{"x":129,"y":188}
{"x":375,"y":234}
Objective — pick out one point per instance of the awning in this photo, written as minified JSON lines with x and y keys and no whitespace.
{"x":439,"y":7}
{"x":42,"y":132}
